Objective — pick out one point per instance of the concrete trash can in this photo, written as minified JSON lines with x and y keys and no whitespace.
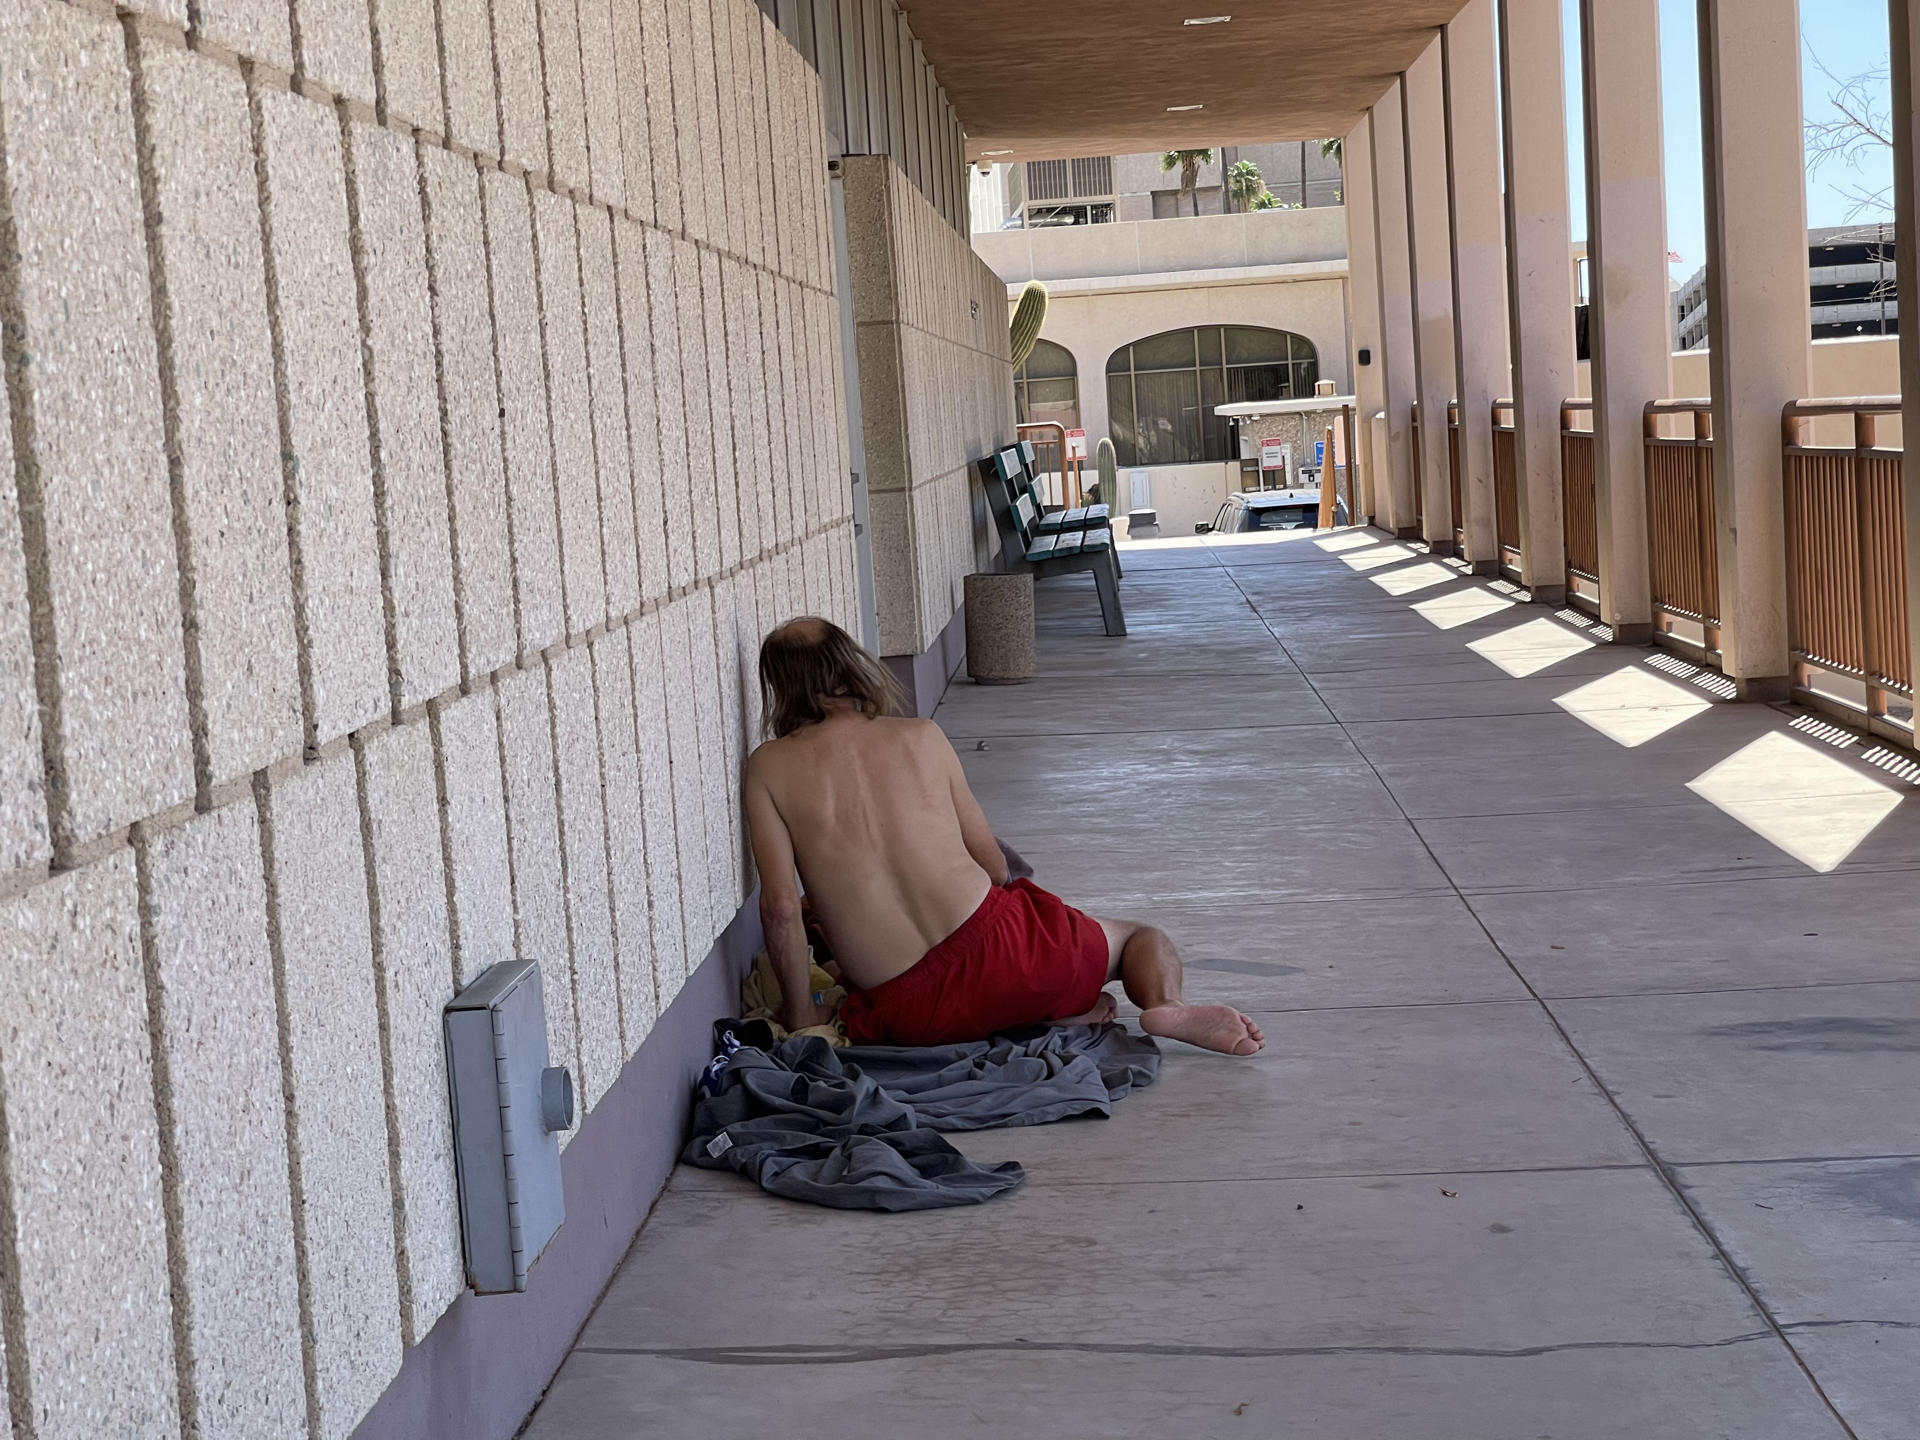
{"x":999,"y":628}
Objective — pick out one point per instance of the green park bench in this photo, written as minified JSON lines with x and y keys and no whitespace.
{"x":1088,"y":549}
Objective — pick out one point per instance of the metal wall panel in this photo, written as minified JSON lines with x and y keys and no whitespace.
{"x":850,"y":19}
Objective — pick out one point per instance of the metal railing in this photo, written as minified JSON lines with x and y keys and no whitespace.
{"x":1506,"y":486}
{"x":1682,"y":548}
{"x":1050,"y":467}
{"x":1580,"y":521}
{"x":1846,"y":558}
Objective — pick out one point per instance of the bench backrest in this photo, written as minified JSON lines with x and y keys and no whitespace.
{"x":1023,"y":517}
{"x":1000,"y":477}
{"x":1019,"y":472}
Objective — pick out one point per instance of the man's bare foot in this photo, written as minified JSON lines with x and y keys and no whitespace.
{"x":1104,"y":1009}
{"x":1211,"y":1027}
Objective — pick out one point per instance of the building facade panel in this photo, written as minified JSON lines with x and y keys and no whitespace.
{"x":533,"y":848}
{"x":219,"y":355}
{"x":521,"y":373}
{"x":324,"y":410}
{"x":473,"y":811}
{"x":87,"y":1255}
{"x":477,"y":501}
{"x":404,"y":412}
{"x":96,"y":474}
{"x":563,"y":338}
{"x":409,"y":51}
{"x":342,"y":1196}
{"x":405,"y":329}
{"x":414,"y":963}
{"x":215,"y":1012}
{"x":626,"y":838}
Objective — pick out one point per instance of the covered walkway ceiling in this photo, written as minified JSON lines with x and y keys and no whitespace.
{"x":1040,"y":81}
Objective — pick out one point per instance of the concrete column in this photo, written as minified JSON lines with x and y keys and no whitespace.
{"x":1395,"y":498}
{"x":1479,"y":265}
{"x":1539,"y":278}
{"x":1363,"y":272}
{"x":1904,"y":37}
{"x":1628,"y":325}
{"x":1760,"y":352}
{"x":1429,"y":242}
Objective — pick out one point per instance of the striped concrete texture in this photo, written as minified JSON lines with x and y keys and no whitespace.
{"x":414,"y":415}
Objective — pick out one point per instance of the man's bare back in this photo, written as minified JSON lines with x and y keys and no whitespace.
{"x":877,"y":834}
{"x":874,"y":816}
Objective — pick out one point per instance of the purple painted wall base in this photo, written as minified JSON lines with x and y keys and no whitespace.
{"x":924,"y":677}
{"x":484,"y":1366}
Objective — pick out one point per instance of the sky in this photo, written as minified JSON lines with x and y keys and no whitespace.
{"x":1847,"y":36}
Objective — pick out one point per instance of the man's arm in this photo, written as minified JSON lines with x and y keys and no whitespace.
{"x":786,"y":932}
{"x":974,"y":828}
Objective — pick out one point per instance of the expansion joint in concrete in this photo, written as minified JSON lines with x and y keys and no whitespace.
{"x":161,"y":310}
{"x":283,"y":1023}
{"x":402,"y":1260}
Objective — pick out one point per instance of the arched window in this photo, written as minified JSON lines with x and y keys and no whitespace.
{"x":1047,"y":387}
{"x":1161,"y":391}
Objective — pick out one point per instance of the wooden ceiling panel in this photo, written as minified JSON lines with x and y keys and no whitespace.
{"x":1041,"y":80}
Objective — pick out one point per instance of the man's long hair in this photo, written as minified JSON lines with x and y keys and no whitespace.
{"x":809,"y":661}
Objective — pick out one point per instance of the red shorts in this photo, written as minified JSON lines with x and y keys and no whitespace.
{"x":1023,"y":958}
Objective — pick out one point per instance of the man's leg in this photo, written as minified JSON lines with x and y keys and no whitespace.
{"x":1143,"y":960}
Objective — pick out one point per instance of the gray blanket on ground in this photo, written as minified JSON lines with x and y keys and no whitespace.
{"x":860,"y":1128}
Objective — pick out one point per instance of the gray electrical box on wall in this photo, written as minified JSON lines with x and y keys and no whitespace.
{"x":509,"y":1106}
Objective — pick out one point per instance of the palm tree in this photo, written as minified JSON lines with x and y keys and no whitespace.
{"x":1244,"y":185}
{"x":1188,"y":163}
{"x":1336,"y":147}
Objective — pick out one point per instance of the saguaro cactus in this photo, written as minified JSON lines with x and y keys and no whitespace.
{"x":1028,"y":316}
{"x":1109,"y":464}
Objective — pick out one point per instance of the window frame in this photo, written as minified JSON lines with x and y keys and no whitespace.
{"x":1022,"y":404}
{"x":1301,"y":369}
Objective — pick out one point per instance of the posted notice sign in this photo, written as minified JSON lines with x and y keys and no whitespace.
{"x":1273,"y":454}
{"x":1076,"y":444}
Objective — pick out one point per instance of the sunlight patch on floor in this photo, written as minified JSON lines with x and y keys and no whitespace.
{"x":1414,"y":578}
{"x":1351,"y":540}
{"x":1633,"y":705}
{"x":1375,"y":556}
{"x":1798,"y":797}
{"x":1530,"y":648}
{"x":1450,"y":612}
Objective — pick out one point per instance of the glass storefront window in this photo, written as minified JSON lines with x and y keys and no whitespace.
{"x":1162,"y":389}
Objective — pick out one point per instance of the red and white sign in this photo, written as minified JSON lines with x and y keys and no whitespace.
{"x":1076,"y":444}
{"x":1274,"y":453}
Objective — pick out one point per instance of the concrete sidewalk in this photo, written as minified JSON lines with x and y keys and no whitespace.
{"x":1588,"y":1106}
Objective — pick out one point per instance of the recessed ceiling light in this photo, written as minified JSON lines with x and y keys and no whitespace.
{"x":1206,"y":20}
{"x":1175,"y":109}
{"x":996,"y":152}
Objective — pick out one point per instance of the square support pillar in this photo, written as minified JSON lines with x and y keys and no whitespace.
{"x":1429,"y":243}
{"x":1539,"y":279}
{"x":1759,"y":350}
{"x":1363,"y":271}
{"x":1479,"y":266}
{"x":1903,"y":34}
{"x":1628,"y":321}
{"x":1395,"y":498}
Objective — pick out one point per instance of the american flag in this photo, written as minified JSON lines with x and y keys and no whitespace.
{"x":1673,"y":257}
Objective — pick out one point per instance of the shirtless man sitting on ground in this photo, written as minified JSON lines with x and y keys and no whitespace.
{"x":935,"y":942}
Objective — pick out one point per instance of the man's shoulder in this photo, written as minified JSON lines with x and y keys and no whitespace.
{"x":766,"y":755}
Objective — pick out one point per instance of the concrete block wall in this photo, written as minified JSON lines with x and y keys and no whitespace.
{"x":414,"y":416}
{"x":936,"y":394}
